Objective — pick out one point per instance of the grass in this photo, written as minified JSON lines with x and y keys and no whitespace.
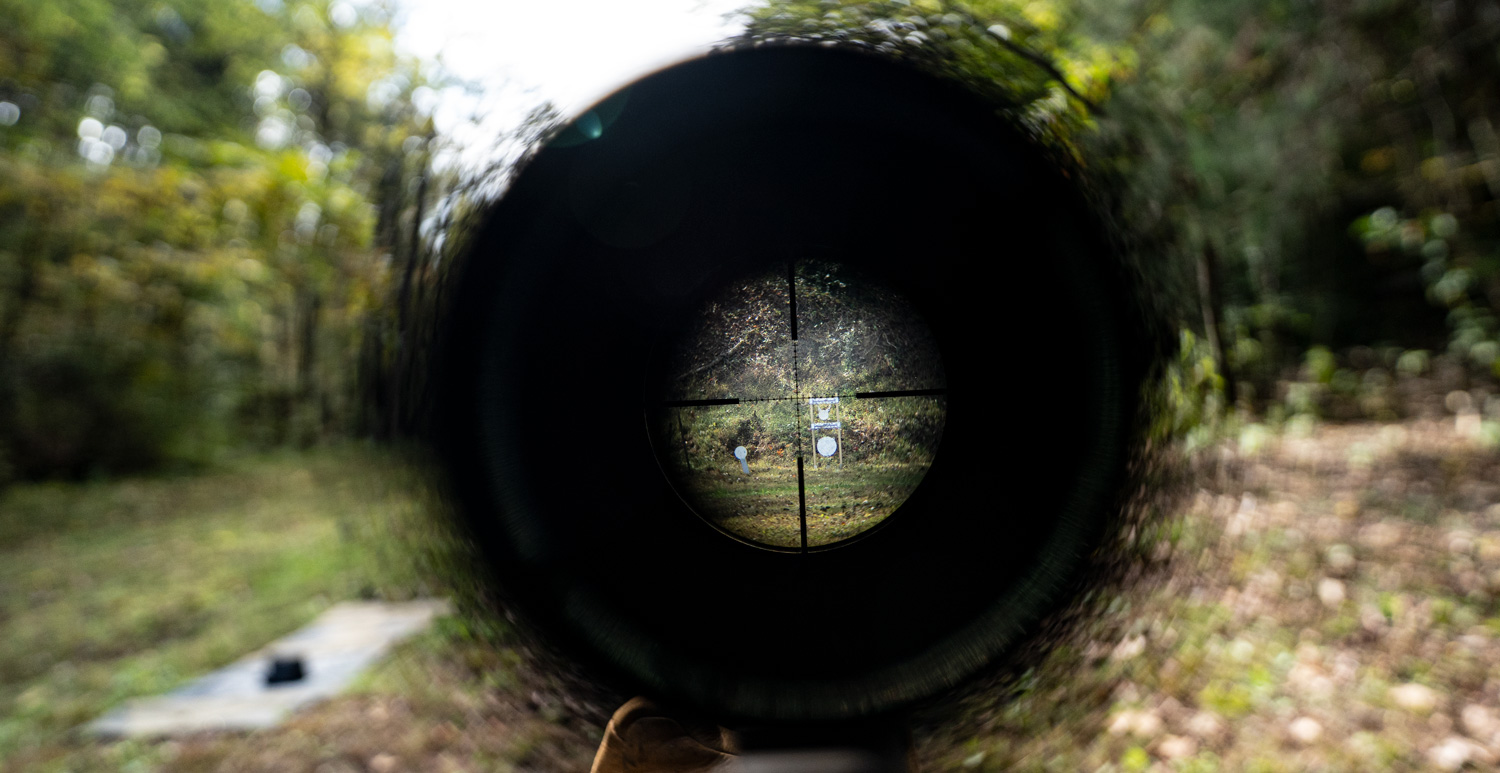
{"x":842,"y":500}
{"x":1312,"y":608}
{"x":113,"y":590}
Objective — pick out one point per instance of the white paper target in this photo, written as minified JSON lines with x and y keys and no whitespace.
{"x":740,"y":452}
{"x":827,"y":446}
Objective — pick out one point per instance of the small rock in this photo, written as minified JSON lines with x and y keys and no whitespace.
{"x":1456,"y":751}
{"x":1305,"y":730}
{"x":1478,"y":721}
{"x":1176,"y":747}
{"x":383,"y":762}
{"x":1142,"y":724}
{"x":1380,"y":536}
{"x":1148,"y":725}
{"x":1340,"y":559}
{"x":1308,"y":679}
{"x":1205,"y":724}
{"x":1130,"y":647}
{"x":1330,"y":592}
{"x":1451,"y":754}
{"x":1413,"y":697}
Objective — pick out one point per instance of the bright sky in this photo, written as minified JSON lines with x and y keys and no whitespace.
{"x":571,"y":52}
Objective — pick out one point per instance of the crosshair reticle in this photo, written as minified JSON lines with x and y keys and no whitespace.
{"x":803,"y":409}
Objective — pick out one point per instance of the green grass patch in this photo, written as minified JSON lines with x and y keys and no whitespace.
{"x":842,"y":501}
{"x":114,"y":590}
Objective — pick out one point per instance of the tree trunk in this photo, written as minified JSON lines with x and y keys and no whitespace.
{"x":308,"y":402}
{"x":1211,"y":301}
{"x":31,"y":258}
{"x":401,"y":370}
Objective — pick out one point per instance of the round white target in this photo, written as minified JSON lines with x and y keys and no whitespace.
{"x":827,"y":446}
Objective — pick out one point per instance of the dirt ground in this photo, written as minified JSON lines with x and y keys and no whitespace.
{"x":1326,"y":601}
{"x":445,"y":703}
{"x":1329,"y":604}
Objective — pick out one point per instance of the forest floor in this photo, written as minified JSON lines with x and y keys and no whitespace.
{"x":1329,"y":605}
{"x":1328,"y":602}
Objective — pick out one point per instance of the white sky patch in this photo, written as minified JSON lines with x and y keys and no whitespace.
{"x":523,"y":53}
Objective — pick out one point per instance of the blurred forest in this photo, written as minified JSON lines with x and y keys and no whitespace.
{"x":206,"y":209}
{"x":1309,"y":190}
{"x":223,"y":224}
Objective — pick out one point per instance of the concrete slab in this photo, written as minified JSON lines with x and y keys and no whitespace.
{"x":335,"y":648}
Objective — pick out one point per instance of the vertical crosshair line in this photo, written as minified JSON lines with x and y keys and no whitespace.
{"x":796,"y":384}
{"x":687,"y":458}
{"x":791,"y":293}
{"x":791,"y":308}
{"x":791,"y":298}
{"x":801,"y":502}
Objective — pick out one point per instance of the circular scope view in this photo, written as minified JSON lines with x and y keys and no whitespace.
{"x":803,"y":408}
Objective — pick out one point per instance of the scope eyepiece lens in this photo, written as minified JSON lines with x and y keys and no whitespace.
{"x":802,"y":407}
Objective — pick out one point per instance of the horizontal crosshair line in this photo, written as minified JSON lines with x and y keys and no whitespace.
{"x":726,"y":401}
{"x":901,"y":393}
{"x":692,"y":403}
{"x":798,"y":398}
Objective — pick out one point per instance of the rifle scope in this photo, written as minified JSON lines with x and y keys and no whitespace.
{"x":789,"y":383}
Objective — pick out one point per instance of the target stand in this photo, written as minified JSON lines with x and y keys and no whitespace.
{"x":827,"y":445}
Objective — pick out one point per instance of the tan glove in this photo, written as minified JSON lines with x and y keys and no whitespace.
{"x":642,"y":739}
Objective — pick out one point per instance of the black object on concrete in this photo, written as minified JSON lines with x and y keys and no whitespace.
{"x":284,"y":670}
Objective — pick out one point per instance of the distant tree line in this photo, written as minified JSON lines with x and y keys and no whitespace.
{"x":205,"y":206}
{"x":227,"y":223}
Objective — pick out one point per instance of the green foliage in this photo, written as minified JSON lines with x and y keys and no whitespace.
{"x":1237,"y":137}
{"x":1462,"y":275}
{"x":189,"y":246}
{"x":1192,"y":399}
{"x":1030,"y":57}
